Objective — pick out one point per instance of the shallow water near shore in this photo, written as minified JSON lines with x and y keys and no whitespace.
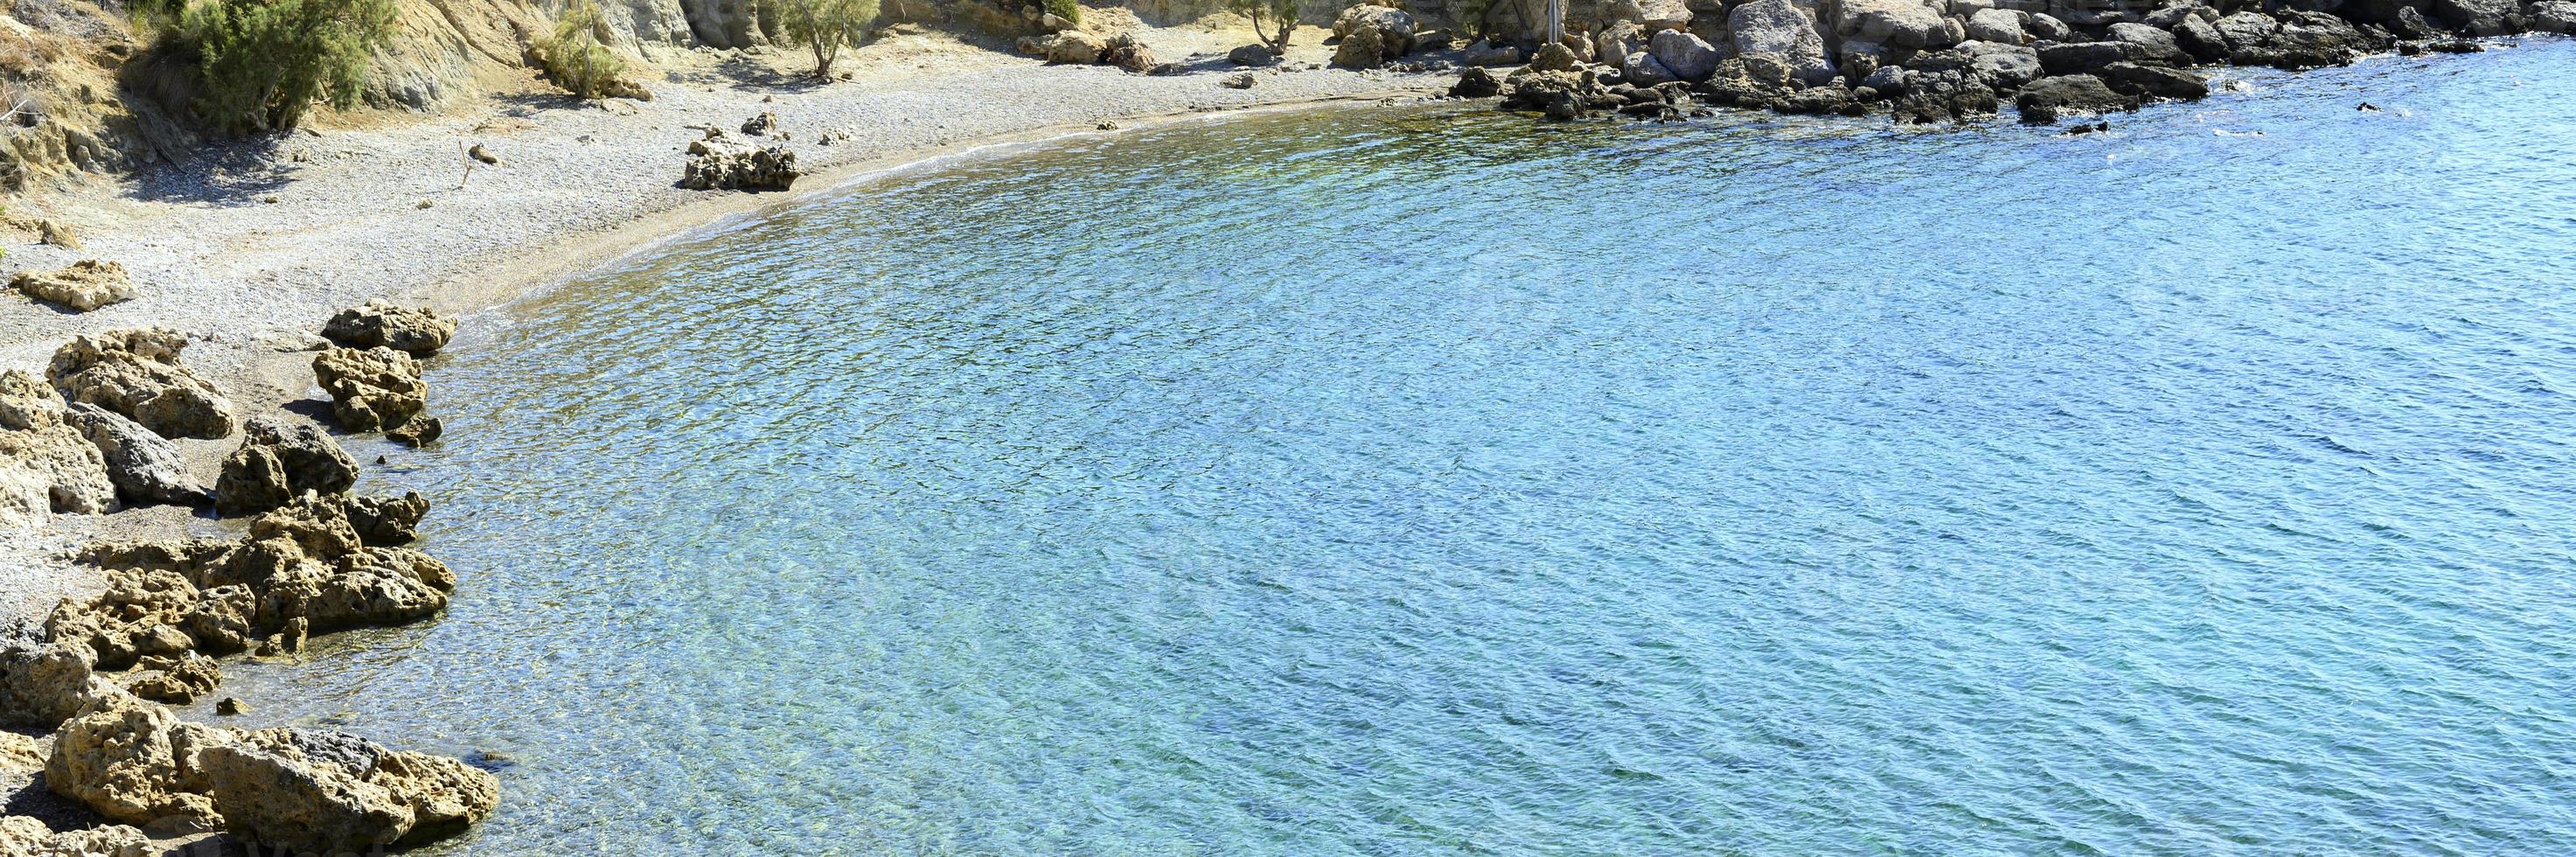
{"x":1427,"y":480}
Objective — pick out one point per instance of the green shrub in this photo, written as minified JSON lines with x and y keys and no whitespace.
{"x":1281,"y":16}
{"x":263,"y":63}
{"x":575,"y":57}
{"x":824,"y":26}
{"x":1066,"y":9}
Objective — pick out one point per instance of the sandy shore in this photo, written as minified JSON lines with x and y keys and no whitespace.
{"x":250,"y":247}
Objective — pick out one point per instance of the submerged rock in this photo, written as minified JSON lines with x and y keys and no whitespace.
{"x":178,"y":679}
{"x":279,"y":461}
{"x":419,"y":332}
{"x":83,"y":286}
{"x":137,"y":373}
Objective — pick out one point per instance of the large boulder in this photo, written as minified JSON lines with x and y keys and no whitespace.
{"x":2317,"y":40}
{"x":2145,"y":81}
{"x":135,"y":762}
{"x":2081,"y":57}
{"x":277,"y":462}
{"x":42,"y":684}
{"x":1364,"y":48}
{"x":1898,"y":23}
{"x":2201,"y":40}
{"x":145,"y":467}
{"x":716,"y":163}
{"x":418,"y":331}
{"x":2554,"y":16}
{"x":2477,"y":17}
{"x":1555,"y":58}
{"x":1394,"y":27}
{"x":1652,"y":14}
{"x":137,"y":373}
{"x":2001,"y":26}
{"x":1252,"y":55}
{"x":1073,"y":47}
{"x":1785,"y":30}
{"x":83,"y":286}
{"x":1689,"y":57}
{"x":2004,"y":67}
{"x":1129,"y":54}
{"x":2046,"y":99}
{"x":371,"y":389}
{"x":327,"y":792}
{"x":46,"y":466}
{"x":1642,"y":69}
{"x":1488,"y":54}
{"x":2147,"y":45}
{"x":177,"y":679}
{"x":2248,"y":36}
{"x":1475,"y":82}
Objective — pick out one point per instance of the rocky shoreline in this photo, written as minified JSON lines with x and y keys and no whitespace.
{"x":99,"y":673}
{"x":1925,"y":61}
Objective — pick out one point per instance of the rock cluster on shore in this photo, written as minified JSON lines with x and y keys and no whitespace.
{"x":314,"y":559}
{"x":1952,"y":60}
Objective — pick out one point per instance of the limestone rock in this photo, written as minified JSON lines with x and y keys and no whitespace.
{"x":1129,"y":54}
{"x":279,"y":461}
{"x":717,"y":164}
{"x":327,"y":792}
{"x":1488,"y":54}
{"x":24,"y":836}
{"x":1785,"y":30}
{"x":41,"y":685}
{"x":1365,"y":47}
{"x":2140,"y":81}
{"x":762,"y":125}
{"x":1253,"y":56}
{"x":2477,"y":17}
{"x":1555,"y":58}
{"x":177,"y":679}
{"x":144,"y":467}
{"x":2002,"y":26}
{"x":1073,"y":47}
{"x":2554,"y":16}
{"x":419,"y":331}
{"x":1642,"y":69}
{"x":2048,"y":98}
{"x":46,"y":466}
{"x":1475,"y":82}
{"x":377,"y":388}
{"x":135,"y":763}
{"x":1900,"y":23}
{"x":2148,"y":45}
{"x":1688,"y":57}
{"x":1653,"y":14}
{"x":1395,"y":29}
{"x":137,"y":373}
{"x":83,"y":286}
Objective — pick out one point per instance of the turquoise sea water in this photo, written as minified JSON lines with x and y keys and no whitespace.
{"x":1429,"y":481}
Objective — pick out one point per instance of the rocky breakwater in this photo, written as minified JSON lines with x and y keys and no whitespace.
{"x":312,"y":559}
{"x":1959,"y":60}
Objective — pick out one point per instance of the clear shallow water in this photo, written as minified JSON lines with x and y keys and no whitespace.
{"x":1422,"y":482}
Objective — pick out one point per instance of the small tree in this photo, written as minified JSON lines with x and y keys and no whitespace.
{"x":1066,"y":9}
{"x":265,"y":62}
{"x":575,"y":56}
{"x":1282,"y":13}
{"x":824,"y":26}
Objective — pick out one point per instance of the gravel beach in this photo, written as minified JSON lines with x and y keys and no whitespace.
{"x":249,"y":247}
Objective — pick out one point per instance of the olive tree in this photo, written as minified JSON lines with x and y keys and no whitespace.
{"x":1279,"y":13}
{"x":825,"y":26}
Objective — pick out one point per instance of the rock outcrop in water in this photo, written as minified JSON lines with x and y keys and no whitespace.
{"x":1927,"y":61}
{"x":279,"y":460}
{"x":418,"y":331}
